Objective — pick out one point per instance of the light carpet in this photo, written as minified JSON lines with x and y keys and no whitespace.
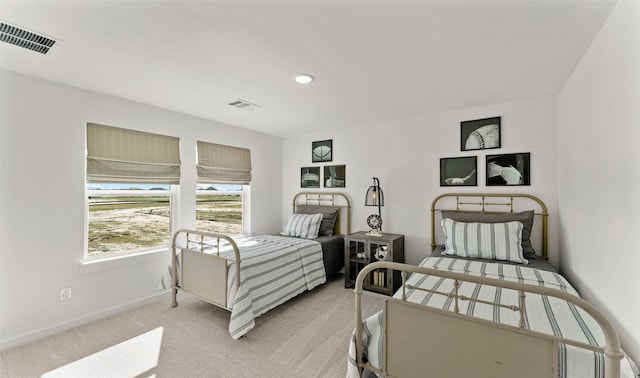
{"x":305,"y":337}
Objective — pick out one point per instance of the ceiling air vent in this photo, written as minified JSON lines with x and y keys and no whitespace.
{"x":24,"y":38}
{"x":242,"y":104}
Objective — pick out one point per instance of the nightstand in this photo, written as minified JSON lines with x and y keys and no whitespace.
{"x":362,"y":249}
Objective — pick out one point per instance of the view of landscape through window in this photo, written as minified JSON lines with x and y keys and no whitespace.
{"x":128,"y":217}
{"x":219,"y":208}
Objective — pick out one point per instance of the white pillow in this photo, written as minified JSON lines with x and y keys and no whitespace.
{"x":494,"y":241}
{"x":303,"y":225}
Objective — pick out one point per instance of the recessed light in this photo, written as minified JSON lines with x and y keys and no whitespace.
{"x":304,"y":78}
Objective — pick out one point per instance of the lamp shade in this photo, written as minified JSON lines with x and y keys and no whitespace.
{"x":375,"y":196}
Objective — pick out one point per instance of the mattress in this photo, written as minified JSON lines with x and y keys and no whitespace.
{"x":537,"y":262}
{"x":332,"y":253}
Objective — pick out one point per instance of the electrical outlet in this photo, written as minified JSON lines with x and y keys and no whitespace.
{"x":65,"y":293}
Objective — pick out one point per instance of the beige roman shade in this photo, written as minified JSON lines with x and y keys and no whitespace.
{"x":122,"y":155}
{"x":220,"y":164}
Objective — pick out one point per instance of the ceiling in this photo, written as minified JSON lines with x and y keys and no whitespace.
{"x":374,"y":61}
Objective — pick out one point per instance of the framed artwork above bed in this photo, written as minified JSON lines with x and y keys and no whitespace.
{"x":322,"y":151}
{"x":335,"y":176}
{"x":480,"y":134}
{"x":508,"y":169}
{"x":459,"y":171}
{"x":310,"y":177}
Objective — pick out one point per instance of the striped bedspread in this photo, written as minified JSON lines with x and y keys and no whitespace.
{"x":273,"y":270}
{"x":544,"y":314}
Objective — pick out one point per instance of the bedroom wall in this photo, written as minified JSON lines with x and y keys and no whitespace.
{"x":599,"y":174}
{"x":405,"y":156}
{"x":42,"y":163}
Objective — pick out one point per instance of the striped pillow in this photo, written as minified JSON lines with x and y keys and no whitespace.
{"x":494,"y":241}
{"x":329,"y":216}
{"x":303,"y":225}
{"x":526,"y":217}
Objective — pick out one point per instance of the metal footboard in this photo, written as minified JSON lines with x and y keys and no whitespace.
{"x":414,"y":336}
{"x":203,"y":272}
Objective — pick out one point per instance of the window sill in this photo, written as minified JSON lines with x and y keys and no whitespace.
{"x":108,"y":263}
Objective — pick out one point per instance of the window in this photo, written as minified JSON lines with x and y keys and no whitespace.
{"x":128,"y":218}
{"x":223,"y":176}
{"x":130,"y":189}
{"x":219,"y":208}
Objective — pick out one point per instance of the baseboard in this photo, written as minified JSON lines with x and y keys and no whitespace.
{"x":48,"y":331}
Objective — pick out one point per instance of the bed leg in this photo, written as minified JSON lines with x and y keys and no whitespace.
{"x":174,"y":273}
{"x":174,"y":301}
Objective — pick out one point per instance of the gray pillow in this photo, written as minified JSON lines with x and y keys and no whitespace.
{"x":526,"y":217}
{"x":329,"y":216}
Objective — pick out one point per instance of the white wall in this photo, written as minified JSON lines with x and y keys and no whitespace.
{"x":405,"y":156}
{"x":599,"y":173}
{"x":42,"y":163}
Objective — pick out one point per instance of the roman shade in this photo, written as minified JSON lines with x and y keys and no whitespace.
{"x":122,"y":155}
{"x":220,"y":164}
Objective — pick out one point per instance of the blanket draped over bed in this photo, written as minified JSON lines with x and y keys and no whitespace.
{"x":273,"y":270}
{"x":545,"y":314}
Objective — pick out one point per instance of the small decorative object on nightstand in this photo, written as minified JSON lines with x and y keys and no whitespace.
{"x":361,"y":248}
{"x":375,"y":197}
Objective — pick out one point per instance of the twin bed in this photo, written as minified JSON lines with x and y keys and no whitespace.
{"x":484,"y":304}
{"x":250,"y":274}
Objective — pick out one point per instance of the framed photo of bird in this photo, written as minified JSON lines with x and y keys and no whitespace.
{"x":459,"y":171}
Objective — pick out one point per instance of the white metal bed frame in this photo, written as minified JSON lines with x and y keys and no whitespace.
{"x":408,"y":352}
{"x":205,"y":274}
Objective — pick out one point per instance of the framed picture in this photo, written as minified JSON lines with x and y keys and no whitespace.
{"x":334,"y":176}
{"x":481,"y":134}
{"x":322,"y":151}
{"x":459,"y":171}
{"x":508,"y":169}
{"x":310,"y":177}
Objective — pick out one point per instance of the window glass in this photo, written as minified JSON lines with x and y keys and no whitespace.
{"x":219,"y":208}
{"x":125,"y":218}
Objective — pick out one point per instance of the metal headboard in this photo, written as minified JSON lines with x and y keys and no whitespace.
{"x":491,"y":203}
{"x":328,"y":199}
